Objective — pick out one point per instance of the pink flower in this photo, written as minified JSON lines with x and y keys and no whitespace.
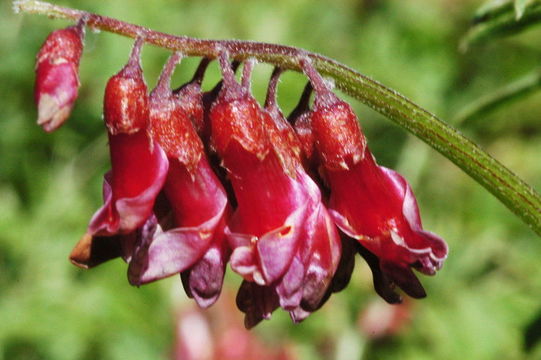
{"x":217,"y":334}
{"x":197,"y":199}
{"x":57,"y":75}
{"x":138,"y":170}
{"x":370,"y":203}
{"x":284,"y":242}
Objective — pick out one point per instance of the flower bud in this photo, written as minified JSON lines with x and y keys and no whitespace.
{"x":171,"y":116}
{"x":237,"y":121}
{"x":300,"y":118}
{"x":127,"y":87}
{"x":190,"y":98}
{"x":57,"y":76}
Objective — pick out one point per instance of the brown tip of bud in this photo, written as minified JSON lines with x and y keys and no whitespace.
{"x":92,"y":250}
{"x":80,"y":255}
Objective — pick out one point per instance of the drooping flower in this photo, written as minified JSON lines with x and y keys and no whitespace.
{"x":284,"y":242}
{"x":195,"y":243}
{"x":138,"y":170}
{"x":371,"y":203}
{"x":57,"y":75}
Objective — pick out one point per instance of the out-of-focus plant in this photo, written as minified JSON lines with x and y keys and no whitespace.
{"x":493,"y":20}
{"x":497,"y":18}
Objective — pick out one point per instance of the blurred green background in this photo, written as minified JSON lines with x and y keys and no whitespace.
{"x":483,"y":304}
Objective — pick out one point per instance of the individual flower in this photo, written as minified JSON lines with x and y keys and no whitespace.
{"x":138,"y":169}
{"x":370,"y":203}
{"x":284,"y":242}
{"x":195,"y":242}
{"x":57,"y":75}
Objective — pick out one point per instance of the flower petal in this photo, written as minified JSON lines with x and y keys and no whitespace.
{"x":323,"y":261}
{"x":290,"y":287}
{"x":91,"y":251}
{"x":257,"y":302}
{"x":131,"y":188}
{"x":173,"y":251}
{"x":204,"y":280}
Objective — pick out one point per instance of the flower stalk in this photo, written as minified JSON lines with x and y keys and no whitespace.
{"x":511,"y":190}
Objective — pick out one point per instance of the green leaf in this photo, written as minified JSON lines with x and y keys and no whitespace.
{"x":491,"y":9}
{"x":520,"y":7}
{"x":499,"y":19}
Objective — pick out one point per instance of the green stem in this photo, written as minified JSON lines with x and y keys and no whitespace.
{"x":517,"y":195}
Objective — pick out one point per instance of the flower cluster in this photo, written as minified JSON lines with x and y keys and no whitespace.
{"x":201,"y":179}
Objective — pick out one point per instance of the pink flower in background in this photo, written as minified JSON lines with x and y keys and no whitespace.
{"x":217,"y":334}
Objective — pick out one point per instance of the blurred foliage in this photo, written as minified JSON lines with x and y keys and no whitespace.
{"x":498,"y":18}
{"x":482,"y":305}
{"x":500,"y":98}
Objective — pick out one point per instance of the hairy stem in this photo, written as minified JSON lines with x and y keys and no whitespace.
{"x":517,"y":195}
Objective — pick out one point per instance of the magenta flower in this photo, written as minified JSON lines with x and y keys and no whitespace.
{"x":57,"y":75}
{"x":284,"y":242}
{"x":194,"y":242}
{"x":138,"y":169}
{"x":370,"y":203}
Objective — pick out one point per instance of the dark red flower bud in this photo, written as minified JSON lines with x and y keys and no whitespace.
{"x":209,"y":98}
{"x":237,"y":122}
{"x":191,"y":98}
{"x":337,"y":134}
{"x":57,"y":75}
{"x":138,"y":169}
{"x":370,"y":203}
{"x":285,"y":143}
{"x":171,"y":125}
{"x":300,"y":118}
{"x":125,"y":104}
